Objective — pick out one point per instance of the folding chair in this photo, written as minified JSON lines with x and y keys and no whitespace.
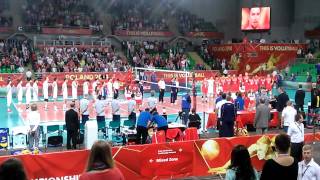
{"x":116,"y":139}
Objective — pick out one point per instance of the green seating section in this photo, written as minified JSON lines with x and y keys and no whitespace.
{"x":301,"y":69}
{"x":7,"y":69}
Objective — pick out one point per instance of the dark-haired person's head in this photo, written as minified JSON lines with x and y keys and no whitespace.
{"x":298,"y":117}
{"x":100,"y":157}
{"x":224,"y":95}
{"x":73,"y":104}
{"x":147,"y":109}
{"x":132,"y":95}
{"x":282,"y":143}
{"x":12,"y":169}
{"x":240,"y":159}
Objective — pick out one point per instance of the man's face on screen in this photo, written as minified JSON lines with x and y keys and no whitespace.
{"x":254,"y":17}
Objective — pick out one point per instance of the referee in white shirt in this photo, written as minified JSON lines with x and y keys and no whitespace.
{"x":296,"y":133}
{"x":115,"y":105}
{"x":84,"y":109}
{"x":131,"y":109}
{"x":162,"y":88}
{"x":152,"y":102}
{"x":33,"y":120}
{"x":308,"y":169}
{"x":99,"y":106}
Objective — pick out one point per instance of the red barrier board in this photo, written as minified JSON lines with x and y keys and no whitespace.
{"x":6,"y":29}
{"x":256,"y":58}
{"x":144,"y":33}
{"x":156,"y":161}
{"x":67,"y":31}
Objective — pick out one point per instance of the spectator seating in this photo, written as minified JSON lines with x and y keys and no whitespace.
{"x":61,"y":13}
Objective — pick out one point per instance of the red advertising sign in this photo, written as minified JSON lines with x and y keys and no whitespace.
{"x":211,"y":35}
{"x":156,"y":161}
{"x":256,"y":58}
{"x":144,"y":33}
{"x":313,"y":33}
{"x":5,"y":29}
{"x":67,"y":31}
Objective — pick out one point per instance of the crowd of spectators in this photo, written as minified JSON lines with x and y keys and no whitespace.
{"x":61,"y":13}
{"x":137,"y":16}
{"x":73,"y":59}
{"x":189,"y":22}
{"x":15,"y":55}
{"x":156,"y":54}
{"x":5,"y":21}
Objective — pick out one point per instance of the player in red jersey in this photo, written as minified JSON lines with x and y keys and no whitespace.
{"x":235,"y":84}
{"x":204,"y":90}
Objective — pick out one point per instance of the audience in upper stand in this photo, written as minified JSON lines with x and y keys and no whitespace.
{"x":137,"y":16}
{"x":5,"y":21}
{"x":61,"y":13}
{"x":73,"y":59}
{"x":156,"y":54}
{"x":14,"y":55}
{"x":189,"y":22}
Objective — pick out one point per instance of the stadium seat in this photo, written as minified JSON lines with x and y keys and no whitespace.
{"x":159,"y":137}
{"x":191,"y":134}
{"x":174,"y":134}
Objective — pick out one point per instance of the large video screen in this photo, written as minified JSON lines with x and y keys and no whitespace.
{"x":255,"y":18}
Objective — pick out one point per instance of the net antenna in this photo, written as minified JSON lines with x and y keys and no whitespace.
{"x":186,"y":75}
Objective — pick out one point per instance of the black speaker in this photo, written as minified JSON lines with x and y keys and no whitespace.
{"x":55,"y":141}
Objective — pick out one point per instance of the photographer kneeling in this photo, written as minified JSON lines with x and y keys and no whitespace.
{"x":194,"y":119}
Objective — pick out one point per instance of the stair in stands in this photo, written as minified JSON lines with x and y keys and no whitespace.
{"x":197,"y":59}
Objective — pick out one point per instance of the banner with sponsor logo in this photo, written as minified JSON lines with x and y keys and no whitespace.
{"x":67,"y":31}
{"x":156,"y":161}
{"x":125,"y":78}
{"x":144,"y":33}
{"x":210,"y":35}
{"x":256,"y":58}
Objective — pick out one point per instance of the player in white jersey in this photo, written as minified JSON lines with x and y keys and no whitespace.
{"x":65,"y":94}
{"x":45,"y":92}
{"x":110,"y":89}
{"x":9,"y":96}
{"x":210,"y":87}
{"x":94,"y":87}
{"x":55,"y":93}
{"x":74,"y":88}
{"x":35,"y":90}
{"x":19,"y":94}
{"x":86,"y":87}
{"x":116,"y":87}
{"x":28,"y":94}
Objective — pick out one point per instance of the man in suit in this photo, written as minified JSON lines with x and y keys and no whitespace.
{"x":228,"y":116}
{"x":72,"y":125}
{"x":282,"y":100}
{"x":299,"y":98}
{"x":262,"y":117}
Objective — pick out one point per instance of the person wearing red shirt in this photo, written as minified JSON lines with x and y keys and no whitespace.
{"x":204,"y":90}
{"x":269,"y":82}
{"x":100,"y":164}
{"x":228,"y":82}
{"x":235,"y":84}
